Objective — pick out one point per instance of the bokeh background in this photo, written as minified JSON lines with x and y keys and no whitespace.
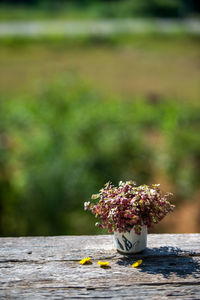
{"x":92,"y":91}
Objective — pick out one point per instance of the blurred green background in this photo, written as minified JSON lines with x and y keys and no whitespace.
{"x":79,"y":107}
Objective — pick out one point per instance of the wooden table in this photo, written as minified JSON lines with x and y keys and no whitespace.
{"x":48,"y":268}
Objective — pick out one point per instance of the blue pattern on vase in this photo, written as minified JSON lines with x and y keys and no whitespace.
{"x":127,"y":243}
{"x":120,"y":245}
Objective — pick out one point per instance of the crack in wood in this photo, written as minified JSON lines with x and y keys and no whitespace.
{"x":114,"y":257}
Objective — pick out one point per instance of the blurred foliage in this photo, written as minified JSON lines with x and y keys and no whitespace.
{"x":183,"y":159}
{"x":140,"y":8}
{"x":11,"y":9}
{"x":61,"y":145}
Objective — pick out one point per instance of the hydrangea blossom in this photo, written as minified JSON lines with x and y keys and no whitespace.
{"x":126,"y":206}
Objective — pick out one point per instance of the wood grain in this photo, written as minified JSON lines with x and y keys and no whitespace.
{"x":48,"y":267}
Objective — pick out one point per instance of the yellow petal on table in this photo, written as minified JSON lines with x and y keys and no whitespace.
{"x":137,"y":263}
{"x":85,"y":261}
{"x":103,"y":264}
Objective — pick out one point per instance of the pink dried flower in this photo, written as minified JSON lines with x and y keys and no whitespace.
{"x":122,"y":207}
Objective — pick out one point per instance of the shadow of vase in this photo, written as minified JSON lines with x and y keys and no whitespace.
{"x":167,"y":261}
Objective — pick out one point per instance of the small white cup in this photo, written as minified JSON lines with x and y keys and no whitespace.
{"x":130,"y":242}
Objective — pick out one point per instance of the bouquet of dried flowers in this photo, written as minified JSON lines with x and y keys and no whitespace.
{"x":129,"y":206}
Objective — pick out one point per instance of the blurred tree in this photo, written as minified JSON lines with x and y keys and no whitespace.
{"x":61,"y":146}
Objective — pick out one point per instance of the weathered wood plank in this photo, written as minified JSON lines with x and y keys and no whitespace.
{"x":74,"y":247}
{"x":47,"y":267}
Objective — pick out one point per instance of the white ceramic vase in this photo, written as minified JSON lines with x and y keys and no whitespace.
{"x":130,"y":242}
